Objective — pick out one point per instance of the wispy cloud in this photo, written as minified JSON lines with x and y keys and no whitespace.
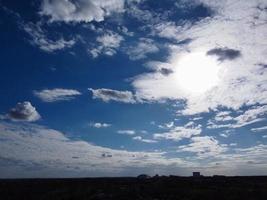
{"x":259,"y":129}
{"x":40,"y":39}
{"x":57,"y":94}
{"x":99,"y":125}
{"x":141,"y":139}
{"x":107,"y":44}
{"x":126,"y":132}
{"x":204,"y":146}
{"x":144,"y":47}
{"x":107,"y":95}
{"x":178,"y":133}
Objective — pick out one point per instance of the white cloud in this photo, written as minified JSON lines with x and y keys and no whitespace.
{"x":99,"y":125}
{"x":24,"y":112}
{"x":259,"y":129}
{"x":144,"y":46}
{"x":239,"y":45}
{"x":80,"y":10}
{"x":107,"y":44}
{"x":36,"y":151}
{"x":107,"y":95}
{"x":126,"y":132}
{"x":204,"y":146}
{"x":250,"y":116}
{"x":57,"y":94}
{"x":223,"y":116}
{"x":139,"y":138}
{"x":179,"y":133}
{"x":40,"y":39}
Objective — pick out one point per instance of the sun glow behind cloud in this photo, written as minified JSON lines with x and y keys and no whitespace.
{"x":196,"y":73}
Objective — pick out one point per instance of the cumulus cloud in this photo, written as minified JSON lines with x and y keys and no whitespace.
{"x":144,"y":47}
{"x":126,"y":132}
{"x":39,"y":38}
{"x":99,"y":125}
{"x":24,"y":111}
{"x":179,"y":132}
{"x":57,"y":94}
{"x":107,"y":95}
{"x":80,"y":10}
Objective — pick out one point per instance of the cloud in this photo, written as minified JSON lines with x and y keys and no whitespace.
{"x":108,"y":95}
{"x":224,"y":53}
{"x":107,"y":44}
{"x":259,"y":129}
{"x":57,"y":94}
{"x":80,"y":10}
{"x":39,"y":38}
{"x":250,"y":116}
{"x":24,"y":112}
{"x":126,"y":132}
{"x":179,"y":133}
{"x":234,"y":28}
{"x":99,"y":125}
{"x":30,"y":150}
{"x":139,"y":138}
{"x":144,"y":47}
{"x":204,"y":146}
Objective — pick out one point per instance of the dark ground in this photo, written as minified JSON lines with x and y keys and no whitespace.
{"x":183,"y":188}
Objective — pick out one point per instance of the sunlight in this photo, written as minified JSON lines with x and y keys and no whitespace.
{"x":196,"y":73}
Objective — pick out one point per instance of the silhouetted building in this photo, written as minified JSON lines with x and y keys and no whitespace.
{"x":196,"y":174}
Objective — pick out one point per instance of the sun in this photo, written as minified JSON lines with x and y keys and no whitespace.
{"x":196,"y":72}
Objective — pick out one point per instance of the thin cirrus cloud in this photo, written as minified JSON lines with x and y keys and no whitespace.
{"x":57,"y":94}
{"x":126,"y":132}
{"x":141,"y":139}
{"x":40,"y":39}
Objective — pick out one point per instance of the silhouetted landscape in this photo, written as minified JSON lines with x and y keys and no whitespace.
{"x":158,"y":187}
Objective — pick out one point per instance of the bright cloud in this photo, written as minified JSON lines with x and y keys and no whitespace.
{"x":80,"y":10}
{"x":238,"y":46}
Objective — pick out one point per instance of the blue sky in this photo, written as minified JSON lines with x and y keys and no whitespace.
{"x":123,"y":87}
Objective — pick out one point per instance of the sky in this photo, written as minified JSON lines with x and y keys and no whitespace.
{"x":95,"y":88}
